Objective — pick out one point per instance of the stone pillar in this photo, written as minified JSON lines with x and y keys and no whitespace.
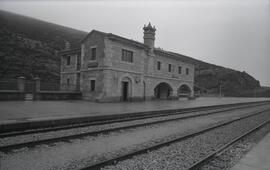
{"x":21,"y":83}
{"x":192,"y":96}
{"x":37,"y":84}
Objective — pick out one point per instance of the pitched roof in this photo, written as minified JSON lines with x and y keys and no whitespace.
{"x":114,"y":37}
{"x":117,"y":38}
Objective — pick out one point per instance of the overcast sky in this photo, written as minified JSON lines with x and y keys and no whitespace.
{"x":230,"y":33}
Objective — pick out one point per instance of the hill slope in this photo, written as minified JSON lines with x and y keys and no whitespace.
{"x":28,"y":47}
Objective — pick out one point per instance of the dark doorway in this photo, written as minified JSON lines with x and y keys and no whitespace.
{"x":125,"y":91}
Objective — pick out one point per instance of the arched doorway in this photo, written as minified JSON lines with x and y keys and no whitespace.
{"x":184,"y":91}
{"x":163,"y":91}
{"x":126,"y":89}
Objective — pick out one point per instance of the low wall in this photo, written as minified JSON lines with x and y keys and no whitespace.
{"x":6,"y":95}
{"x":11,"y":95}
{"x":57,"y":95}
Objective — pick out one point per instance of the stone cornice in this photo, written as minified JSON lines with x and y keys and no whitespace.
{"x":132,"y":72}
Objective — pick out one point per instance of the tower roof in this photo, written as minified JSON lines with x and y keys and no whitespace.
{"x":149,"y":27}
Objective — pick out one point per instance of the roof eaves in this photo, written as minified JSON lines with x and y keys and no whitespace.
{"x":174,"y":55}
{"x":122,"y":39}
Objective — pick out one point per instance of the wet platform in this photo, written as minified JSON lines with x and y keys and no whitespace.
{"x":25,"y":111}
{"x":258,"y":158}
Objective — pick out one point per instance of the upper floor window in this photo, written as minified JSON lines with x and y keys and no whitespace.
{"x":187,"y":71}
{"x":127,"y":56}
{"x":68,"y":60}
{"x":93,"y":53}
{"x":179,"y":70}
{"x":169,"y":68}
{"x":159,"y":65}
{"x":93,"y":85}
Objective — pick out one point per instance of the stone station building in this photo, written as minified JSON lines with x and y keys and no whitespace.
{"x":109,"y":68}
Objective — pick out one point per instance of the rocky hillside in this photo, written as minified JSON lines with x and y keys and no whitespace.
{"x":28,"y":47}
{"x":209,"y":77}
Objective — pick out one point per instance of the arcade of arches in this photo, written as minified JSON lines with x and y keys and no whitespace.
{"x":165,"y":91}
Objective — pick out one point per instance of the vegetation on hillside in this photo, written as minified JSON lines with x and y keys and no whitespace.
{"x":28,"y":47}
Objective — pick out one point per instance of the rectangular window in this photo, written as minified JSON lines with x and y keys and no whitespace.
{"x":179,"y":70}
{"x":169,"y":68}
{"x":93,"y":53}
{"x":127,"y":56}
{"x":159,"y":65}
{"x":68,"y":81}
{"x":68,"y":60}
{"x":93,"y":85}
{"x":187,"y":71}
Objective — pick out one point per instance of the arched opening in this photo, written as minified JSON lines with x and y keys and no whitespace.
{"x":126,"y":89}
{"x":163,"y":91}
{"x":184,"y":91}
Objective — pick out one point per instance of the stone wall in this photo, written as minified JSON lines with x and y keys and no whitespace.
{"x":54,"y":95}
{"x":93,"y":40}
{"x":113,"y":85}
{"x":11,"y":95}
{"x":163,"y":72}
{"x":115,"y":54}
{"x":73,"y":63}
{"x":86,"y":77}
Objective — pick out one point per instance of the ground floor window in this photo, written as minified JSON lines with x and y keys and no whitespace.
{"x":93,"y":85}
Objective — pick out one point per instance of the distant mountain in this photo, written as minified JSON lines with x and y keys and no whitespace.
{"x":28,"y":47}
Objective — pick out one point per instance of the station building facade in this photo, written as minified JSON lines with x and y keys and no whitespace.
{"x":110,"y":68}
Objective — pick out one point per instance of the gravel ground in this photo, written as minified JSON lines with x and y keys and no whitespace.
{"x":231,"y":156}
{"x":181,"y":155}
{"x":68,"y":132}
{"x":80,"y":152}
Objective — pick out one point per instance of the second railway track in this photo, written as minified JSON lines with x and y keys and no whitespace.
{"x":112,"y":164}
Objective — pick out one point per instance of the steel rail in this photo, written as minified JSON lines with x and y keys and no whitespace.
{"x":113,"y":161}
{"x":210,"y":156}
{"x":6,"y":148}
{"x":129,"y":118}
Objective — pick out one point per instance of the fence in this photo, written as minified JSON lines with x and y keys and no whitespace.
{"x":8,"y":85}
{"x":18,"y":89}
{"x":32,"y":86}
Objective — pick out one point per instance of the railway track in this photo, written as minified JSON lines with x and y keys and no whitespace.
{"x":164,"y":118}
{"x":223,"y":148}
{"x":115,"y":160}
